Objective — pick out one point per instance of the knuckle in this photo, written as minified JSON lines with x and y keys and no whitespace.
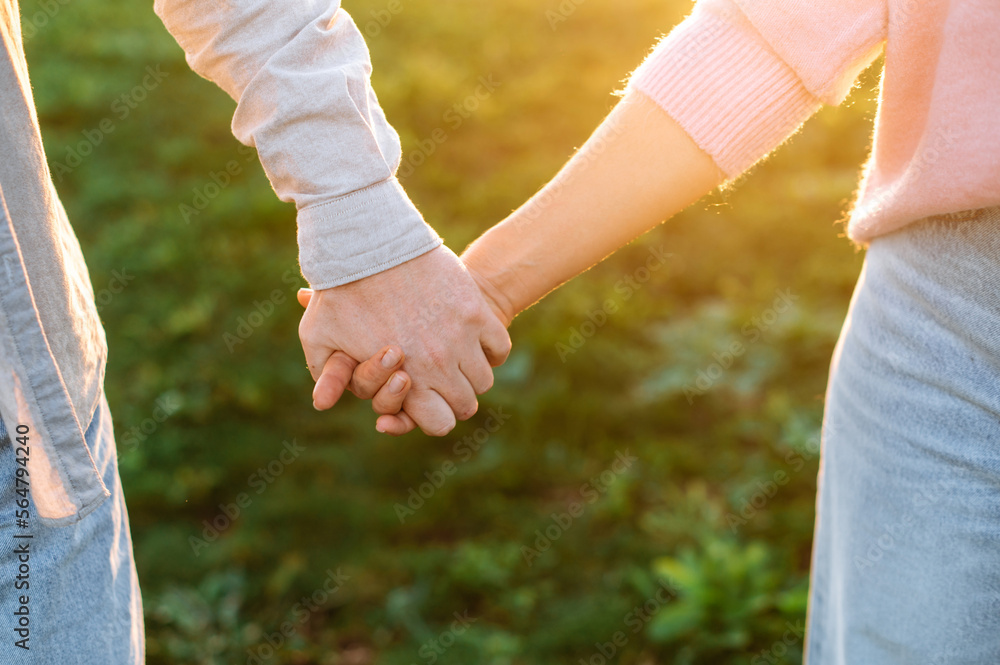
{"x":305,"y":331}
{"x":309,"y":334}
{"x":466,"y":411}
{"x":486,"y":384}
{"x":502,"y":354}
{"x":505,"y":346}
{"x":384,"y":407}
{"x":469,"y":309}
{"x":359,"y":391}
{"x":438,"y":426}
{"x":363,"y":383}
{"x":437,"y":358}
{"x":438,"y":430}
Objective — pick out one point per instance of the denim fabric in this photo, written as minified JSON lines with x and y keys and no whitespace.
{"x":906,"y":559}
{"x":84,"y":602}
{"x":52,"y":345}
{"x":299,"y":72}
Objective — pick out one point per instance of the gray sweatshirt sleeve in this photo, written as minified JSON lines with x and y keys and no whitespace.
{"x":299,"y":71}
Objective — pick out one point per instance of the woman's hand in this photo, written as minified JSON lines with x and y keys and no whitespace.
{"x":637,"y":169}
{"x":493,"y":296}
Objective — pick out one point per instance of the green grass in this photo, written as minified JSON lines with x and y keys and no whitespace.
{"x":678,"y":516}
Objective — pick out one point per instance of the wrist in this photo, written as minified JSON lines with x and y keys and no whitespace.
{"x":497,"y":283}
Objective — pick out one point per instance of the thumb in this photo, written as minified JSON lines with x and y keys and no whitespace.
{"x":304,"y":296}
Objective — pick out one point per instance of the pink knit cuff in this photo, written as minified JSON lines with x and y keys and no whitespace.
{"x":717,"y":77}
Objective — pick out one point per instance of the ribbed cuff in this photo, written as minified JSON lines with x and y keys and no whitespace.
{"x":719,"y":80}
{"x":361,"y":234}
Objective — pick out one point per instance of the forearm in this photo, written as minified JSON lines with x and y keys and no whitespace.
{"x":299,"y":72}
{"x":638,"y":169}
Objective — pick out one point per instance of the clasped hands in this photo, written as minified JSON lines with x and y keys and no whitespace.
{"x":450,"y":323}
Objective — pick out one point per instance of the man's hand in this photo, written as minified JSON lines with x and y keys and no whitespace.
{"x":431,"y":308}
{"x":377,"y":379}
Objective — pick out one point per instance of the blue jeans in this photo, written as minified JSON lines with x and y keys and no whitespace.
{"x":83,"y":603}
{"x":906,"y":558}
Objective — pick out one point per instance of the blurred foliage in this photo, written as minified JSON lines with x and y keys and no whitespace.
{"x":696,"y":508}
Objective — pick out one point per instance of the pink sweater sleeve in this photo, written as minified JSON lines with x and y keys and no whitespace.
{"x":741,"y":76}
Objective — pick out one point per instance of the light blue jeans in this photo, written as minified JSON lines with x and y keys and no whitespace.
{"x":906,"y":558}
{"x":83,"y":602}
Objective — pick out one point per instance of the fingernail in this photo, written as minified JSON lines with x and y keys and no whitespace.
{"x":390,"y":358}
{"x":396,"y":384}
{"x":379,"y":429}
